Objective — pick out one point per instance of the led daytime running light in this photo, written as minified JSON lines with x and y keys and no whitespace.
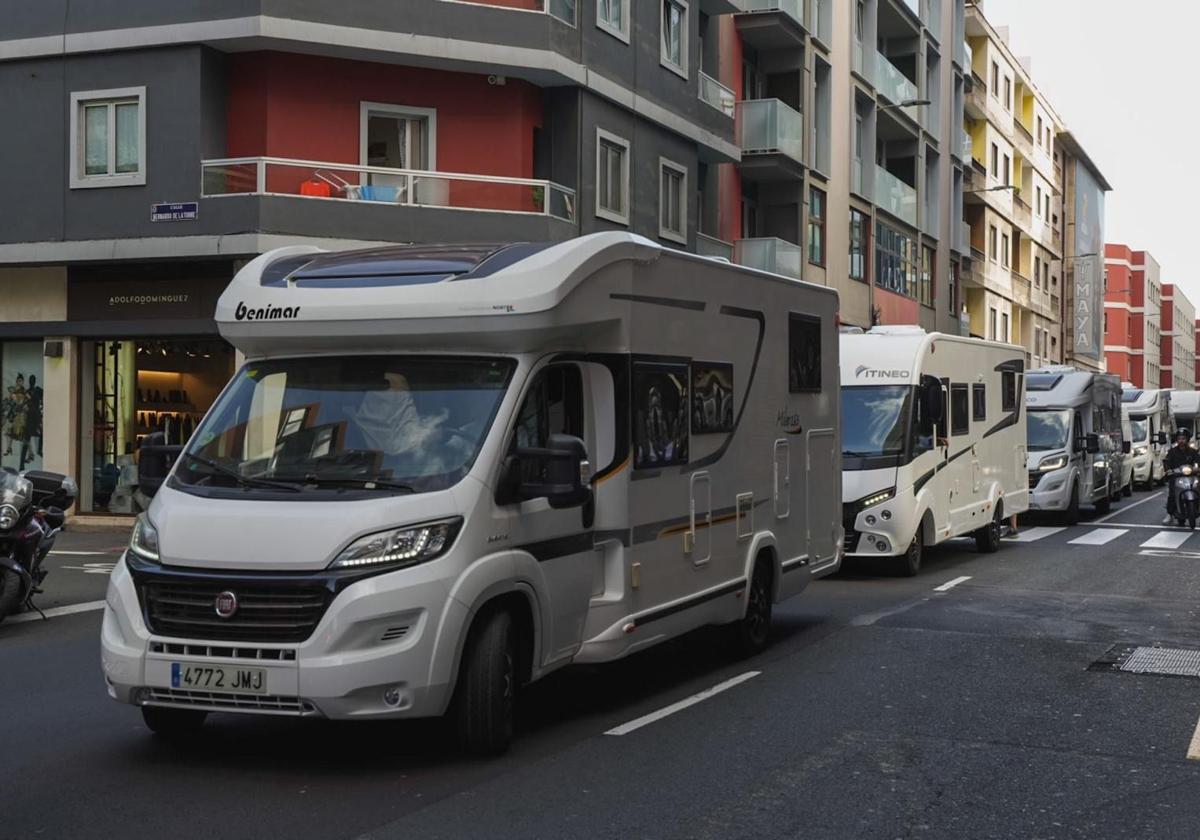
{"x":876,"y":498}
{"x":402,"y":547}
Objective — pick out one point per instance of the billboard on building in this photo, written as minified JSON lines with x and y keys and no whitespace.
{"x":1089,"y":265}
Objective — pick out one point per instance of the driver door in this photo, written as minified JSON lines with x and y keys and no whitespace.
{"x":560,"y":540}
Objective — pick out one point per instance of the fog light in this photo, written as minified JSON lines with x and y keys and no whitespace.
{"x":871,"y":539}
{"x":392,"y":696}
{"x":882,"y":546}
{"x":887,"y":514}
{"x":138,"y":696}
{"x":870,"y":520}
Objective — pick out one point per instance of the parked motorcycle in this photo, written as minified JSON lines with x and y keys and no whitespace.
{"x":1185,"y":494}
{"x":32,"y":506}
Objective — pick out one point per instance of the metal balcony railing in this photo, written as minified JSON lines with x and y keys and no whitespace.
{"x":767,"y":126}
{"x":770,"y":253}
{"x":407,"y":187}
{"x":895,"y":196}
{"x":717,"y":95}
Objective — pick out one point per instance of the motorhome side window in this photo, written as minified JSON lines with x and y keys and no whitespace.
{"x":660,"y":413}
{"x":960,"y":422}
{"x":553,"y":406}
{"x":804,"y":353}
{"x":1008,"y":390}
{"x":979,"y":401}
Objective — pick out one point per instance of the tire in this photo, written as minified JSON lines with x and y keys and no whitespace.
{"x":1127,"y":490}
{"x":487,"y":687}
{"x":909,"y":563}
{"x":752,"y":632}
{"x":987,"y":538}
{"x":10,"y":592}
{"x":173,"y":723}
{"x":1071,"y":514}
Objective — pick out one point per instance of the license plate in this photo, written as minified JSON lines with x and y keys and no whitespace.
{"x":195,"y":677}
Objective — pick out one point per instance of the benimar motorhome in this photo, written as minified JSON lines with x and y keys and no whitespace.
{"x":1185,"y":406}
{"x":1153,"y":426}
{"x":933,"y":446}
{"x":444,"y":472}
{"x":1075,"y":444}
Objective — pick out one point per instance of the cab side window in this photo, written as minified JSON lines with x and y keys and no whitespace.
{"x":1077,"y":430}
{"x":553,"y":406}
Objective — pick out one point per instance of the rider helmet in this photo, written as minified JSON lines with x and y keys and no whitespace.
{"x":1183,"y":432}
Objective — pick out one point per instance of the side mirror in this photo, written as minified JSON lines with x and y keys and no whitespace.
{"x":1162,"y":439}
{"x":933,"y":403}
{"x":559,"y":472}
{"x":1126,"y":447}
{"x":1091,"y":444}
{"x":155,"y":460}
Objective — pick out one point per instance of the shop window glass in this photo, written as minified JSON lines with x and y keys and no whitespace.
{"x":23,"y":404}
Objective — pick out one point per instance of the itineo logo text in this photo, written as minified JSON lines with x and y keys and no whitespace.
{"x":265,"y":313}
{"x":864,"y":372}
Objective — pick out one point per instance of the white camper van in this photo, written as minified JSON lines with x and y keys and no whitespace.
{"x":1153,"y":426}
{"x":1185,"y":406}
{"x":444,"y":472}
{"x":1075,"y":443}
{"x":933,"y":446}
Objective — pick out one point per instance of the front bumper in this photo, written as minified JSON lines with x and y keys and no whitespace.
{"x":882,"y":530}
{"x":378,"y":635}
{"x":1142,"y":469}
{"x":1050,"y":490}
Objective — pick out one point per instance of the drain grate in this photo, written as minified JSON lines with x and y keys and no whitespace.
{"x":1152,"y":660}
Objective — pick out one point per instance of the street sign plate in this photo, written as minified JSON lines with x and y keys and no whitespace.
{"x":186,"y":211}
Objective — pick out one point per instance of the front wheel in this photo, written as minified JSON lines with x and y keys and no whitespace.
{"x":10,"y":592}
{"x":909,"y":563}
{"x":487,"y":687}
{"x":751,"y":633}
{"x":987,"y":538}
{"x":173,"y":723}
{"x":1071,"y":515}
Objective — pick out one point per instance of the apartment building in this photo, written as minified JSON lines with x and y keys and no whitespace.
{"x":1177,"y":358}
{"x":1013,"y":194}
{"x":848,"y":120}
{"x":1132,"y":316}
{"x":163,"y":144}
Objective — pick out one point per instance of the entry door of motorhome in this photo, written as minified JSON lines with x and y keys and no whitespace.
{"x":559,"y":539}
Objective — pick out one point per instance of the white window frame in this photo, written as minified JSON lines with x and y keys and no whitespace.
{"x":79,"y":179}
{"x":365,"y":109}
{"x":679,"y":236}
{"x":622,"y":32}
{"x":621,"y":218}
{"x":663,"y":59}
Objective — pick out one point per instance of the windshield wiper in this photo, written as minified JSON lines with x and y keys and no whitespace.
{"x":242,"y":480}
{"x":353,"y":481}
{"x":850,"y":453}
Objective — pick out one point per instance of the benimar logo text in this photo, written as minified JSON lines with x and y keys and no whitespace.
{"x":265,"y":313}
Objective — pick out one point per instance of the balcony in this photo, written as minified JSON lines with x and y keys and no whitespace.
{"x":564,"y":10}
{"x":717,"y":95}
{"x":772,"y":254}
{"x":894,"y":85}
{"x":895,"y":197}
{"x":1023,"y":137}
{"x":1022,"y":213}
{"x":962,"y":238}
{"x":966,"y":144}
{"x":858,"y":184}
{"x":374,"y":203}
{"x":710,"y":246}
{"x":975,"y":101}
{"x":1021,"y":289}
{"x":771,"y":136}
{"x":772,"y":24}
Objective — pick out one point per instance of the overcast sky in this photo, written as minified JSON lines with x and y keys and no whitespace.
{"x":1122,"y":75}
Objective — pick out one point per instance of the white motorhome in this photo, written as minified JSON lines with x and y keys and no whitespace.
{"x":1153,"y":426}
{"x":933,"y":446}
{"x":444,"y":472}
{"x":1185,"y":406}
{"x":1075,"y":439}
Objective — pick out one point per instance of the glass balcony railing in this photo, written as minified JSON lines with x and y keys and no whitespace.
{"x":564,"y":10}
{"x":963,"y":238}
{"x":405,"y":187}
{"x":895,"y":196}
{"x":893,"y":84}
{"x":915,"y":5}
{"x":792,"y":8}
{"x":767,"y":126}
{"x":716,"y":94}
{"x":968,"y":57}
{"x":966,"y":144}
{"x":710,"y":246}
{"x":858,"y":184}
{"x":777,"y":256}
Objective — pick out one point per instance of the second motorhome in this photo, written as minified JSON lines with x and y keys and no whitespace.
{"x":1153,"y":427}
{"x":933,"y":446}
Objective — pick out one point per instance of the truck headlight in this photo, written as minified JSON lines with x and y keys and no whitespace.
{"x":1140,"y":450}
{"x":144,"y":540}
{"x":1054,"y":462}
{"x":401,"y":547}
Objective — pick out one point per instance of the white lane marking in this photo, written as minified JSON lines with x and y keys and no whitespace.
{"x":950,"y":584}
{"x":1160,"y":552}
{"x":1099,"y":536}
{"x":80,"y":553}
{"x":1152,"y":527}
{"x":1193,"y":752}
{"x":1034,"y":534}
{"x":1167,"y":539}
{"x":645,"y":720}
{"x":70,"y":609}
{"x":1126,"y":508}
{"x":92,"y":568}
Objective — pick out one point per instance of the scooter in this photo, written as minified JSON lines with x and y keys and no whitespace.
{"x":1185,"y":494}
{"x":32,"y":506}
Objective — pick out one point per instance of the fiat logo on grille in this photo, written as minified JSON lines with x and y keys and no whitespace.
{"x":226,"y":604}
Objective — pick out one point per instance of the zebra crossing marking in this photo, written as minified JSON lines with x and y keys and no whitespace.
{"x":1099,"y":536}
{"x":1167,"y":539}
{"x":1034,"y":534}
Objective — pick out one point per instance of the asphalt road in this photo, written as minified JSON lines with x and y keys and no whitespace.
{"x":885,"y":708}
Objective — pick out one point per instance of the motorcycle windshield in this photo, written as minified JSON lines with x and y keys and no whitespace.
{"x":15,"y":490}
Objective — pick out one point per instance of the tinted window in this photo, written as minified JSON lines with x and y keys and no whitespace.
{"x":553,"y":406}
{"x":804,"y":353}
{"x":1008,"y":389}
{"x":979,"y":401}
{"x":660,"y":414}
{"x":960,"y":423}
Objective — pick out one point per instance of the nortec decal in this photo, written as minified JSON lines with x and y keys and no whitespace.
{"x":864,"y":372}
{"x":265,"y":313}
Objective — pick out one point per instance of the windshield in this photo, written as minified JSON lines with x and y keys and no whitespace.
{"x":1140,"y":429}
{"x":373,"y":423}
{"x":1048,"y":429}
{"x":874,"y":420}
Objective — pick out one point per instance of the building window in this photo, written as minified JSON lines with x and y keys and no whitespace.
{"x":860,"y":232}
{"x":816,"y":227}
{"x":1040,"y":133}
{"x":925,"y":289}
{"x":995,"y":80}
{"x":995,"y":161}
{"x":397,"y":137}
{"x":612,"y":177}
{"x":613,"y":17}
{"x":1037,"y":210}
{"x":108,"y":138}
{"x":1007,"y":170}
{"x":1004,"y":249}
{"x":993,"y":249}
{"x":675,"y":36}
{"x":895,"y":261}
{"x":952,"y":289}
{"x":1004,"y":326}
{"x":992,"y":323}
{"x":1007,"y":93}
{"x":672,"y":202}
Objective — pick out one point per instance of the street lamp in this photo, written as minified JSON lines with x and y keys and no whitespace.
{"x":905,"y":104}
{"x":990,"y":189}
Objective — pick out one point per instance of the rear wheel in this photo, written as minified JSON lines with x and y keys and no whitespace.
{"x":487,"y":687}
{"x":750,"y":635}
{"x":1127,"y":490}
{"x":173,"y":723}
{"x":987,"y":538}
{"x":10,"y":592}
{"x":909,"y":563}
{"x":1071,"y":514}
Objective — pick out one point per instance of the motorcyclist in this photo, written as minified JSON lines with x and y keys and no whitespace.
{"x":1178,"y":456}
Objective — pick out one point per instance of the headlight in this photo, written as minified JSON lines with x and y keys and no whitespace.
{"x":1054,"y":462}
{"x":1140,"y":450}
{"x":399,"y":548}
{"x":1186,"y":471}
{"x":144,"y":540}
{"x":876,"y":498}
{"x":8,"y":517}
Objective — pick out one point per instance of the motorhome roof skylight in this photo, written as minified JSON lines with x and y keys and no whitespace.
{"x":1042,"y":381}
{"x":394,"y":266}
{"x":1131,"y":395}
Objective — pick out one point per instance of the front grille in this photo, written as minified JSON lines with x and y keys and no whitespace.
{"x":228,"y":702}
{"x":224,"y":651}
{"x":284,"y":611}
{"x":852,"y":538}
{"x":1034,"y":478}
